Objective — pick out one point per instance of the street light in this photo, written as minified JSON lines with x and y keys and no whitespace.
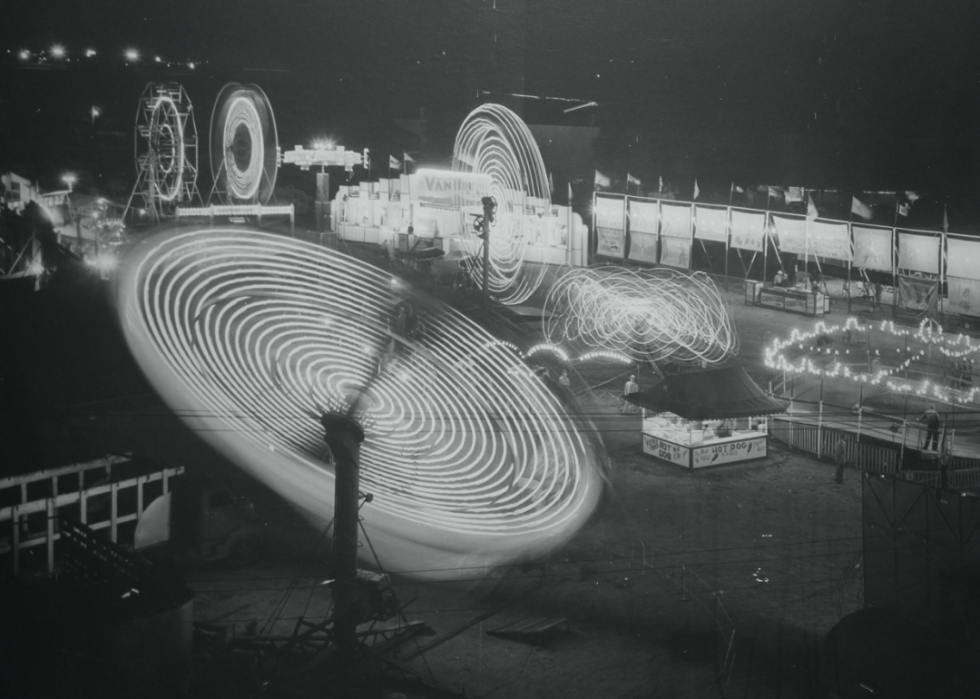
{"x":132,"y":55}
{"x":70,"y":180}
{"x":96,"y":113}
{"x":57,"y":51}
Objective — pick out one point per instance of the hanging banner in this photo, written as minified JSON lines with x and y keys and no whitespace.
{"x":873,"y":248}
{"x":643,"y":216}
{"x":675,"y":252}
{"x":917,"y":294}
{"x":829,"y":240}
{"x":748,"y":230}
{"x":610,"y":227}
{"x":964,"y":296}
{"x":919,"y":252}
{"x":643,"y":247}
{"x":963,"y":258}
{"x":711,"y":224}
{"x":790,"y":234}
{"x":675,"y":221}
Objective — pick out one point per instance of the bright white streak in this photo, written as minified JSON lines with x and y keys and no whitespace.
{"x":250,"y":337}
{"x":650,"y":314}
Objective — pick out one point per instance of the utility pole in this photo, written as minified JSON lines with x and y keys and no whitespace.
{"x":489,"y":216}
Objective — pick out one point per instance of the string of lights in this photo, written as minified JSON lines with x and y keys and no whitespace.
{"x":494,"y":141}
{"x":472,"y":460}
{"x":657,"y":314}
{"x":825,"y":352}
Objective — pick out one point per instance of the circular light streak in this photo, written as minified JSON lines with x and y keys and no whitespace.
{"x":494,"y":141}
{"x":472,"y":460}
{"x":244,"y":145}
{"x":651,"y":314}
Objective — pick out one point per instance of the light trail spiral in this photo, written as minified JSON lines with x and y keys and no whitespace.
{"x":249,"y":337}
{"x":244,"y":144}
{"x":494,"y":141}
{"x":650,"y":314}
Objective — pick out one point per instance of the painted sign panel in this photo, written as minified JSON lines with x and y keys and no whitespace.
{"x":963,"y":258}
{"x":918,"y":252}
{"x":964,"y":296}
{"x":729,"y":452}
{"x":873,"y":248}
{"x":643,"y":247}
{"x":610,"y":227}
{"x":674,"y":453}
{"x":675,"y":221}
{"x":675,"y":252}
{"x":643,"y":216}
{"x":446,"y":188}
{"x":711,"y":224}
{"x":748,"y":230}
{"x":829,"y":240}
{"x":790,"y":234}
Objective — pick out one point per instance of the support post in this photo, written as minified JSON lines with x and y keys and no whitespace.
{"x":344,"y":436}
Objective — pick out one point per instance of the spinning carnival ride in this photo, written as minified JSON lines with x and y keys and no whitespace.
{"x":244,"y":146}
{"x":251,"y":337}
{"x":166,"y":151}
{"x":654,"y":314}
{"x":496,"y":142}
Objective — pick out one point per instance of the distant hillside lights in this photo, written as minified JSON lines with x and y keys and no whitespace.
{"x":59,"y":54}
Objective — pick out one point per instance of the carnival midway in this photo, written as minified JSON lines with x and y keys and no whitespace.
{"x":429,"y":367}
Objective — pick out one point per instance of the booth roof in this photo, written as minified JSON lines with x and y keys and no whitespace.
{"x":708,"y":395}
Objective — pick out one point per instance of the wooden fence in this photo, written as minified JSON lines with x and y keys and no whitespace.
{"x":90,"y":492}
{"x":822,"y":442}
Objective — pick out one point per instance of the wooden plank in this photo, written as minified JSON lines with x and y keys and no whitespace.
{"x":453,"y":632}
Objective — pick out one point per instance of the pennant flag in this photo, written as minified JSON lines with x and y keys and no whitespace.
{"x":811,"y":208}
{"x":551,"y":182}
{"x":394,"y":163}
{"x":861,"y":209}
{"x":903,"y":210}
{"x":696,"y":190}
{"x":661,"y":188}
{"x":945,"y":220}
{"x":408,"y":158}
{"x":794,"y":194}
{"x":736,"y":188}
{"x":601,"y":180}
{"x":632,"y":180}
{"x":912,"y":197}
{"x":569,"y":193}
{"x":775,"y":192}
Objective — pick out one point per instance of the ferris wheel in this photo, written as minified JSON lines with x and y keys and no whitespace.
{"x":165,"y":148}
{"x":244,"y":146}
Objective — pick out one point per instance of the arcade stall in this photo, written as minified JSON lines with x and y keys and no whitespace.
{"x":706,"y":418}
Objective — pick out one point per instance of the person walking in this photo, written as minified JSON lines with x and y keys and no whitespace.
{"x":933,"y":423}
{"x":840,"y":458}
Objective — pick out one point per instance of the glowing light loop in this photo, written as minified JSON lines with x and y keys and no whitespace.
{"x":472,"y":460}
{"x":650,"y":314}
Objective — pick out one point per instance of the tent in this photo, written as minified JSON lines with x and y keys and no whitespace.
{"x":707,"y":395}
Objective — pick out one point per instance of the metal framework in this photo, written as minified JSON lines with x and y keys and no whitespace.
{"x":165,"y":148}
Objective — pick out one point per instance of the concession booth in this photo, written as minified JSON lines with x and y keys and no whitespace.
{"x":705,"y":418}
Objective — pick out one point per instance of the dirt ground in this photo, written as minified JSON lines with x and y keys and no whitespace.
{"x":685,"y":584}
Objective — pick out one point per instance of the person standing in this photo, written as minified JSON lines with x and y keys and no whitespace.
{"x":933,"y":423}
{"x":840,"y":458}
{"x":563,"y":380}
{"x":631,"y":387}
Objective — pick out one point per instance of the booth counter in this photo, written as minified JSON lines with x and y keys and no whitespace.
{"x":705,"y":418}
{"x":796,"y":300}
{"x":697,"y":444}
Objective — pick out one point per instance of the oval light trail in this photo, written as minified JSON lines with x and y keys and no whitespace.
{"x":249,"y":337}
{"x":655,"y":314}
{"x":494,"y":141}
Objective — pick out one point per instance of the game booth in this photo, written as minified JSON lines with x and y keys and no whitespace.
{"x":706,"y":418}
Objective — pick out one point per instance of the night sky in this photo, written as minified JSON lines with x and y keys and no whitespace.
{"x":861,"y":94}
